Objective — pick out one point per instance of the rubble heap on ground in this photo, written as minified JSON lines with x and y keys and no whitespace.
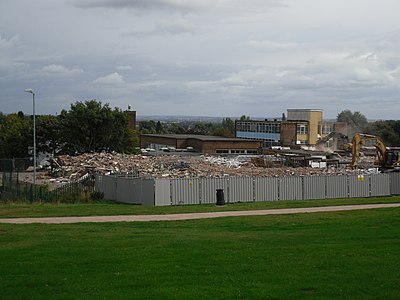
{"x":175,"y":166}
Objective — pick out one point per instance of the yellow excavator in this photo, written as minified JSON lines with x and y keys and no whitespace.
{"x":388,"y":160}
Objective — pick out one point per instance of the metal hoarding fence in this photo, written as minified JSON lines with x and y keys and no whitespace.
{"x":245,"y":189}
{"x":394,"y":183}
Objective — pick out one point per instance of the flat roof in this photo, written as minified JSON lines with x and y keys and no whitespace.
{"x":199,"y":137}
{"x":305,"y":109}
{"x":259,"y":121}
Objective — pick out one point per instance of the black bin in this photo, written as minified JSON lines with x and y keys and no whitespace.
{"x":220,"y":197}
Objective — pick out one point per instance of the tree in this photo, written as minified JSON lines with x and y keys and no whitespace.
{"x":387,"y":130}
{"x":229,"y":127}
{"x":49,"y":134}
{"x":146,"y":127}
{"x":91,"y":126}
{"x":16,"y":136}
{"x":356,"y":122}
{"x":159,"y":127}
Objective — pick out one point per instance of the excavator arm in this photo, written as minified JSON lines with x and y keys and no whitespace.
{"x":386,"y":159}
{"x":358,"y":140}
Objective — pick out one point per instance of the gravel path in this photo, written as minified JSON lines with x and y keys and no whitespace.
{"x":191,"y":216}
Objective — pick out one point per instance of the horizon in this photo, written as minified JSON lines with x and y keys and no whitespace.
{"x":202,"y":58}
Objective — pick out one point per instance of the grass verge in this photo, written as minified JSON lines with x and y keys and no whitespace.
{"x":96,"y":209}
{"x":342,"y":255}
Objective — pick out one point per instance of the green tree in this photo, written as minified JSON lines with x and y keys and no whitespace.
{"x":222,"y":131}
{"x":229,"y":127}
{"x":15,"y":136}
{"x":49,"y":135}
{"x":146,"y":127}
{"x":356,"y":122}
{"x":91,"y":126}
{"x":3,"y":118}
{"x":159,"y":127}
{"x":387,"y":130}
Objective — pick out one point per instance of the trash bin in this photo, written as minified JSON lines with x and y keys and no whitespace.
{"x":220,"y":197}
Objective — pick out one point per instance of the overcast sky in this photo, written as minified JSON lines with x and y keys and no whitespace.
{"x":202,"y":57}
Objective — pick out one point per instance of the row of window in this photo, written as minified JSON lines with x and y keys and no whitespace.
{"x":235,"y":151}
{"x":276,"y":127}
{"x":258,"y":127}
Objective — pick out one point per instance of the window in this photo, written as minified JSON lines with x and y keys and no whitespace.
{"x":326,"y":128}
{"x":302,"y":129}
{"x":222,"y":151}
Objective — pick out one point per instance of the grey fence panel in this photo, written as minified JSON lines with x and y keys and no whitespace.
{"x":135,"y":191}
{"x":147,"y":193}
{"x":359,"y":186}
{"x":209,"y":188}
{"x":127,"y":190}
{"x":336,"y":187}
{"x":99,"y":182}
{"x":266,"y":189}
{"x":380,"y":185}
{"x":291,"y":188}
{"x":241,"y":189}
{"x":394,"y":183}
{"x":314,"y":187}
{"x":162,"y":192}
{"x":185,"y":191}
{"x":108,"y":186}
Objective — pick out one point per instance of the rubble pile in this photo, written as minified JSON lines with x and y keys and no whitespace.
{"x":175,"y":166}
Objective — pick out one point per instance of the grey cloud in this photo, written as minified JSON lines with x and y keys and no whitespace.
{"x":124,"y":68}
{"x":270,"y":46}
{"x":228,"y":7}
{"x":111,"y":79}
{"x":176,"y":27}
{"x":9,"y":43}
{"x":59,"y":70}
{"x":142,"y":5}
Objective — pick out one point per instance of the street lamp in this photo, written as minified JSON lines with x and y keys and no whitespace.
{"x":34,"y":141}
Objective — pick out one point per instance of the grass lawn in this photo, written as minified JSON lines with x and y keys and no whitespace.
{"x":93,"y":209}
{"x":341,"y":255}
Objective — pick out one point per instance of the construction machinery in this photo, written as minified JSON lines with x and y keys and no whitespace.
{"x":340,"y":139}
{"x":387,"y":159}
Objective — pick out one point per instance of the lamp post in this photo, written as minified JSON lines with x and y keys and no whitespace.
{"x":34,"y":142}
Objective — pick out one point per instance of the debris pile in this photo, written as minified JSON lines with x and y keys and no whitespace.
{"x":175,"y":166}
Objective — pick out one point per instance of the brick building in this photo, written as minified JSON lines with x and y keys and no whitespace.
{"x":301,"y":127}
{"x":131,"y":118}
{"x":201,"y":143}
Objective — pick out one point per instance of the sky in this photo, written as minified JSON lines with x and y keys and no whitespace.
{"x":222,"y":58}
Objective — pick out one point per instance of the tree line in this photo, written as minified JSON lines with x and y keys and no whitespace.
{"x":225,"y":129}
{"x":91,"y":126}
{"x":87,"y":126}
{"x":387,"y":130}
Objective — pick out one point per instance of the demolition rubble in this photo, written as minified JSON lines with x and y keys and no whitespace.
{"x":175,"y":166}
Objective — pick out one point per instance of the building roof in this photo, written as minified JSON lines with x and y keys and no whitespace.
{"x":304,"y":109}
{"x":197,"y":137}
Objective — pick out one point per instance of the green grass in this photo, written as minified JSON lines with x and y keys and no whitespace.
{"x":343,"y":255}
{"x":93,"y":209}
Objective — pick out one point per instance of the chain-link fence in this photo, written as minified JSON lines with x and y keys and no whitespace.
{"x":12,"y":188}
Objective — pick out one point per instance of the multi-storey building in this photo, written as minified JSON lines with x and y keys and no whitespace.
{"x":301,"y":127}
{"x":268,"y":132}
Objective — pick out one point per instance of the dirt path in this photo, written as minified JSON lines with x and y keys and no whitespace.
{"x":191,"y":216}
